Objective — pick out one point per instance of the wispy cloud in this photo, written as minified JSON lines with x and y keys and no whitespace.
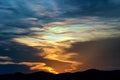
{"x":50,"y":28}
{"x":5,"y":58}
{"x":55,"y":37}
{"x":6,"y":63}
{"x":39,"y":66}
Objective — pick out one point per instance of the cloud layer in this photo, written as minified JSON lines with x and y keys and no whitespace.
{"x":56,"y":37}
{"x":41,"y":35}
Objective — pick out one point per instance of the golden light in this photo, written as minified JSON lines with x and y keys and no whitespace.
{"x":55,"y":37}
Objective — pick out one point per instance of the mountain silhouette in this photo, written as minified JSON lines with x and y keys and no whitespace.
{"x":86,"y":75}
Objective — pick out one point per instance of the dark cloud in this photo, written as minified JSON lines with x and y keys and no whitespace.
{"x":12,"y":54}
{"x":100,"y":54}
{"x":19,"y":52}
{"x":103,"y":8}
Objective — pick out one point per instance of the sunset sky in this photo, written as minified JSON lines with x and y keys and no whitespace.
{"x":59,"y":36}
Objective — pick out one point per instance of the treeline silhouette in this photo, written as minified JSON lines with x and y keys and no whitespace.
{"x":86,"y":75}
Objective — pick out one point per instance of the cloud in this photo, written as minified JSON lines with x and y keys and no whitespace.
{"x":70,"y":30}
{"x":58,"y":54}
{"x":33,"y":57}
{"x":39,"y":66}
{"x":55,"y":37}
{"x":43,"y":34}
{"x":99,"y":54}
{"x":5,"y":58}
{"x":79,"y":56}
{"x":101,"y":8}
{"x":6,"y":63}
{"x":32,"y":14}
{"x":18,"y":52}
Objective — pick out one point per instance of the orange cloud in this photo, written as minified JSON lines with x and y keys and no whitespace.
{"x":58,"y":54}
{"x":55,"y":37}
{"x":40,"y":66}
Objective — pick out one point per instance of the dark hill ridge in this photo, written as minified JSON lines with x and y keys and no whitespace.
{"x":86,"y":75}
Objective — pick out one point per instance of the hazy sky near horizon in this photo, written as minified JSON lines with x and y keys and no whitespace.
{"x":59,"y":36}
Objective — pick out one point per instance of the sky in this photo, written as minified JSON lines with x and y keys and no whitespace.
{"x":59,"y":36}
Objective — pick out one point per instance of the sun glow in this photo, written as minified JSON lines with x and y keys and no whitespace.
{"x":45,"y":68}
{"x":55,"y":37}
